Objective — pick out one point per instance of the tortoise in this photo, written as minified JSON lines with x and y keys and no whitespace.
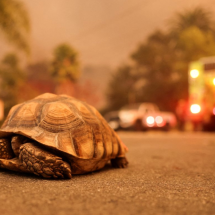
{"x":55,"y":136}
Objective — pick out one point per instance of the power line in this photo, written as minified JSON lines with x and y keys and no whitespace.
{"x":111,"y":21}
{"x":116,"y":52}
{"x":130,"y":33}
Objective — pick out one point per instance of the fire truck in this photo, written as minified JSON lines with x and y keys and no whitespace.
{"x":202,"y":94}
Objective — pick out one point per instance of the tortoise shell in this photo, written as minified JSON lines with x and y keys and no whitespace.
{"x":66,"y":124}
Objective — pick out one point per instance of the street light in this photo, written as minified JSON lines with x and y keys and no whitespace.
{"x":194,"y":73}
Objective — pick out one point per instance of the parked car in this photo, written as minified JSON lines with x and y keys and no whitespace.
{"x":113,"y":119}
{"x":142,"y":116}
{"x":169,"y":118}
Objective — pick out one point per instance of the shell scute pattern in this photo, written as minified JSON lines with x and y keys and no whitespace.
{"x":58,"y":118}
{"x":66,"y":124}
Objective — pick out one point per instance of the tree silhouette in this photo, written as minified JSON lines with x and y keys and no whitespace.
{"x":11,"y":81}
{"x":14,"y":23}
{"x":65,"y":65}
{"x":161,"y":62}
{"x":198,"y":17}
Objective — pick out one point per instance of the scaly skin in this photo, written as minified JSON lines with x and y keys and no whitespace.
{"x":6,"y":151}
{"x":31,"y":159}
{"x":43,"y":163}
{"x":7,"y":157}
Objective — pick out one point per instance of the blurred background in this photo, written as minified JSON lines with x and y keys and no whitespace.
{"x":143,"y":64}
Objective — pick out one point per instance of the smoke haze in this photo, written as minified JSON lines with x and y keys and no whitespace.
{"x":103,"y":32}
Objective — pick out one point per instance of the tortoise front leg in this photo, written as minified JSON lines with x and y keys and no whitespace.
{"x":43,"y":163}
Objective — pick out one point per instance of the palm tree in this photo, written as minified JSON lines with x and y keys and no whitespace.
{"x":65,"y":64}
{"x":14,"y":23}
{"x":65,"y":69}
{"x":198,"y":17}
{"x":193,"y":33}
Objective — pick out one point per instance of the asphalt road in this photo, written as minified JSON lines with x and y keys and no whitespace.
{"x":169,"y":173}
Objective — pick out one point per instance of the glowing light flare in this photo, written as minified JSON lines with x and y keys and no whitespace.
{"x":158,"y":119}
{"x":150,"y":120}
{"x":195,"y":108}
{"x":214,"y":81}
{"x":214,"y":111}
{"x":194,"y":73}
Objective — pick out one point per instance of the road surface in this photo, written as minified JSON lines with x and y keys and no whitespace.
{"x":169,"y":173}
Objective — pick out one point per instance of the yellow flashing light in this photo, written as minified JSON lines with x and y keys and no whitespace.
{"x":194,"y":73}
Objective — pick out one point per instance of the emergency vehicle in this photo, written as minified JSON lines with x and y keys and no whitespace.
{"x":202,"y":93}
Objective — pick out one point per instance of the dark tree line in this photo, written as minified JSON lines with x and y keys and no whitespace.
{"x":159,"y":72}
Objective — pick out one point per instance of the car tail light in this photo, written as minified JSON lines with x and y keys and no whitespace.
{"x":195,"y":108}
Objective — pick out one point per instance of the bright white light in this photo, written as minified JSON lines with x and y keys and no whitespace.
{"x":150,"y":120}
{"x":158,"y":119}
{"x":195,"y":108}
{"x":194,"y":73}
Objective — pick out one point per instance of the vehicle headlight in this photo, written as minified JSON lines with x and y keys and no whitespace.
{"x":150,"y":120}
{"x":158,"y":120}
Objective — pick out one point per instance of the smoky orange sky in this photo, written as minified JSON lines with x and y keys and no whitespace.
{"x":104,"y":32}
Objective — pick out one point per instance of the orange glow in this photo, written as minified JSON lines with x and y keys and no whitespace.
{"x":214,"y":81}
{"x":195,"y":108}
{"x":194,"y":73}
